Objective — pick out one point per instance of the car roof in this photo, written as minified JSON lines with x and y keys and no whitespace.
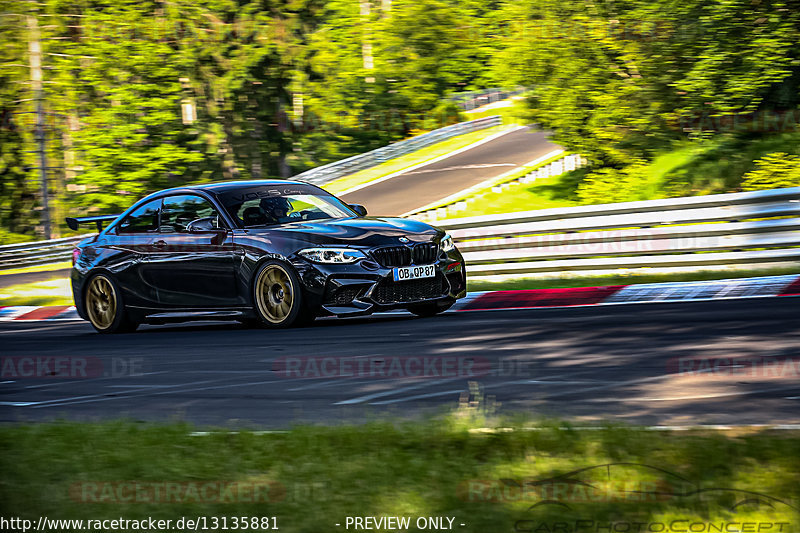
{"x":233,"y":185}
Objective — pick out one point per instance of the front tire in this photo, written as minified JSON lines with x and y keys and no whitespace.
{"x":278,"y":298}
{"x":104,"y":306}
{"x":430,"y":308}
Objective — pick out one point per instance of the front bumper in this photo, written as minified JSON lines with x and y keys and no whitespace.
{"x":366,"y":287}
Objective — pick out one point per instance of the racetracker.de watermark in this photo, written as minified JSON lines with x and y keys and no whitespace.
{"x":766,"y":121}
{"x":761,"y":367}
{"x":382,"y":367}
{"x":70,"y":367}
{"x":180,"y":492}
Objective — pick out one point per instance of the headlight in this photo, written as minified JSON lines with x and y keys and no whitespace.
{"x":447,"y":243}
{"x":332,"y":255}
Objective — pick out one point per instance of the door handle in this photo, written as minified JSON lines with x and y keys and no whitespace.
{"x":160,"y":244}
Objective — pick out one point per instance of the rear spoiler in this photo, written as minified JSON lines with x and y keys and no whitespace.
{"x":74,"y":222}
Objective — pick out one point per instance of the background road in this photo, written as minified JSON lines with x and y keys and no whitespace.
{"x":435,"y":181}
{"x":591,"y":363}
{"x":9,"y":280}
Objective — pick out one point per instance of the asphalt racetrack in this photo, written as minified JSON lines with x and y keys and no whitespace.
{"x":618,"y":363}
{"x":421,"y":186}
{"x":9,"y":280}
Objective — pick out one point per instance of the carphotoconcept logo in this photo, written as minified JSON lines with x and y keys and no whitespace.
{"x":574,"y":502}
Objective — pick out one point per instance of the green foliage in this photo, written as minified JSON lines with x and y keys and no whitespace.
{"x":608,"y":185}
{"x":16,"y":190}
{"x":717,"y":164}
{"x":8,"y":237}
{"x":444,"y":114}
{"x":773,"y":171}
{"x":166,"y":94}
{"x":130,"y":137}
{"x":144,"y":94}
{"x":372,"y":78}
{"x":16,"y":194}
{"x":619,"y":81}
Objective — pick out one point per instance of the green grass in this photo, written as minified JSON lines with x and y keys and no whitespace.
{"x":403,"y":162}
{"x":628,"y":279}
{"x":710,"y":166}
{"x":320,"y":475}
{"x":555,"y":191}
{"x":716,"y":165}
{"x":53,"y":292}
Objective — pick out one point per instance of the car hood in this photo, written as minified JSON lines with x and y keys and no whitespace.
{"x":366,"y":231}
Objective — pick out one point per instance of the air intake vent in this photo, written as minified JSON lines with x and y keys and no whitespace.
{"x":394,"y":292}
{"x":393,"y":256}
{"x":398,"y":256}
{"x":425,"y":254}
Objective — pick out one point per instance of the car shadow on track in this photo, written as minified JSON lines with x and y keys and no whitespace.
{"x":323,"y":322}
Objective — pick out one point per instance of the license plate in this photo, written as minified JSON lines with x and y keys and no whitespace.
{"x":414,"y":272}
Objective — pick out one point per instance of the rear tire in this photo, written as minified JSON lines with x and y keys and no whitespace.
{"x":431,"y":308}
{"x":278,"y":297}
{"x":104,"y":306}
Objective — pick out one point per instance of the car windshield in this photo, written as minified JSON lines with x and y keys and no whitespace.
{"x":268,"y":205}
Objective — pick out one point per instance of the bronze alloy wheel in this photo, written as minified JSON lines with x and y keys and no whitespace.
{"x":101,"y":302}
{"x":275,"y":294}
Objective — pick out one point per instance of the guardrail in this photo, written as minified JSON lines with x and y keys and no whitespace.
{"x":56,"y":250}
{"x":470,"y":100}
{"x":760,"y":229}
{"x":752,"y":229}
{"x":38,"y":253}
{"x":327,"y":173}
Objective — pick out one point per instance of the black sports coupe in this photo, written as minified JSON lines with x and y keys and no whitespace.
{"x":273,"y":253}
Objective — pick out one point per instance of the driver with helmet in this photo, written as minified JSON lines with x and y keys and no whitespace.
{"x":276,"y":209}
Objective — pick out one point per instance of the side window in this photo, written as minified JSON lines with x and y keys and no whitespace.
{"x":142,"y":220}
{"x":179,"y":213}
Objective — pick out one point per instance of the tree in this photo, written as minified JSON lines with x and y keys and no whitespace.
{"x":147,"y":94}
{"x":619,"y":81}
{"x":169,"y":93}
{"x":18,"y":184}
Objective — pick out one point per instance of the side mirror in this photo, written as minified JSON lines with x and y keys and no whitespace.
{"x":217,"y":235}
{"x":204,"y":225}
{"x":207,"y":231}
{"x":208,"y":226}
{"x":358,"y":208}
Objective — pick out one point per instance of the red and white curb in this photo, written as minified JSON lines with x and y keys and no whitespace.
{"x":48,"y":312}
{"x":761,"y":287}
{"x":766,"y":286}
